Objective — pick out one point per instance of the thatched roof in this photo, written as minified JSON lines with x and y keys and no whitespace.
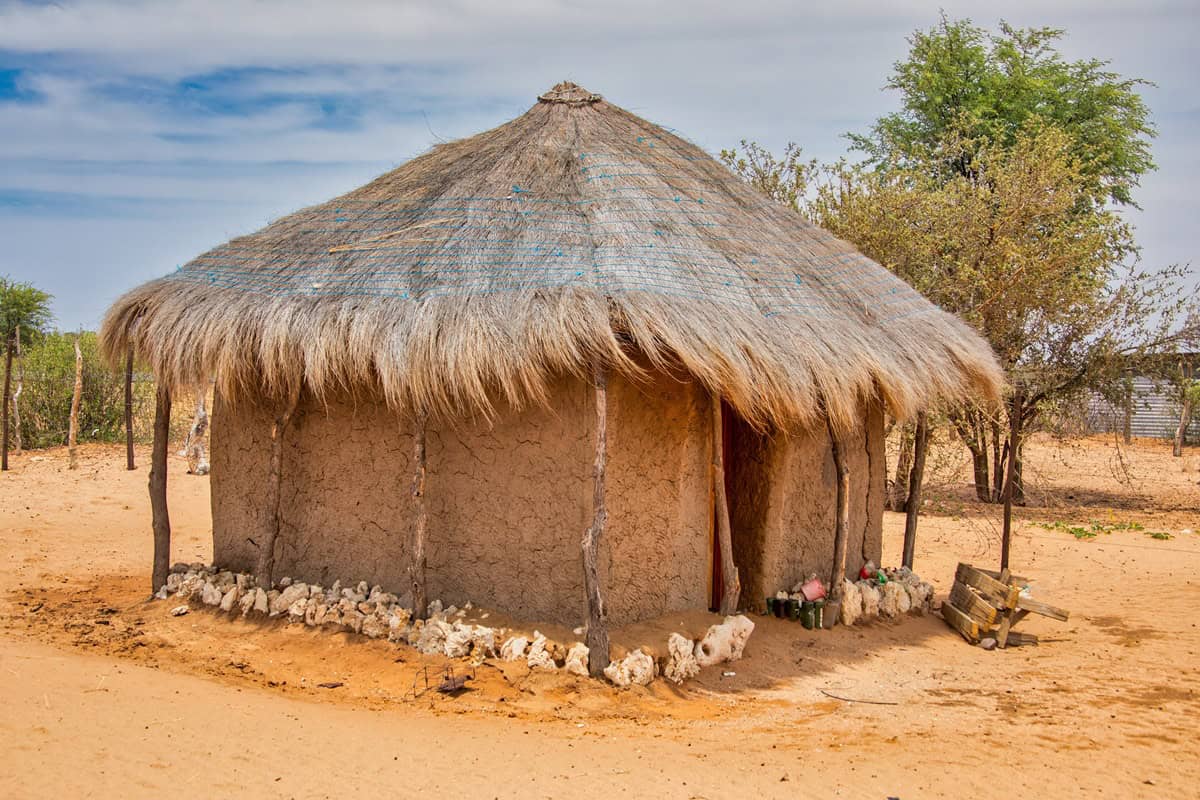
{"x":480,"y":269}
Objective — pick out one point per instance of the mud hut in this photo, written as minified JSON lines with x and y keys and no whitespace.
{"x":577,"y":324}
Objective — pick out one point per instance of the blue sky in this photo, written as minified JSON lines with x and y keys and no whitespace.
{"x":137,"y":135}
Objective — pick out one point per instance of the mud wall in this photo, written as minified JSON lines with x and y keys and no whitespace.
{"x":783,"y":497}
{"x":508,"y":501}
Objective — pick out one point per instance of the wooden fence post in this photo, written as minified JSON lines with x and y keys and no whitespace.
{"x":129,"y":409}
{"x":838,"y":573}
{"x":597,"y":629}
{"x":73,"y":427}
{"x":265,"y":572}
{"x":1014,"y":440}
{"x":4,"y":402}
{"x":915,"y":477}
{"x":731,"y":587}
{"x":417,"y":564}
{"x":158,"y":488}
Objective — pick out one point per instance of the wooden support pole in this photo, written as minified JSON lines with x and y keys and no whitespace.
{"x":18,"y":445}
{"x":1014,"y":450}
{"x":838,"y":574}
{"x":158,"y":488}
{"x":915,"y":477}
{"x":7,"y":388}
{"x":597,"y":627}
{"x":731,"y":587}
{"x":73,"y":428}
{"x":129,"y":409}
{"x":265,"y":572}
{"x":1127,"y":427}
{"x":416,"y":567}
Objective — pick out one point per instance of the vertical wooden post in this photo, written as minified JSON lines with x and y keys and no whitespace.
{"x":1014,"y":439}
{"x":1128,"y":426}
{"x":158,"y":488}
{"x":129,"y":409}
{"x":597,"y":628}
{"x":265,"y":571}
{"x":417,"y":564}
{"x":838,"y":573}
{"x":915,"y":477}
{"x":7,"y":388}
{"x":731,"y":587}
{"x":73,"y":428}
{"x":18,"y":445}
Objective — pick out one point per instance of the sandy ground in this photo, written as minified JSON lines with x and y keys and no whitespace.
{"x":107,"y":695}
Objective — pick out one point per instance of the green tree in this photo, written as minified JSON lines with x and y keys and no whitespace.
{"x":24,"y":313}
{"x":960,"y":79}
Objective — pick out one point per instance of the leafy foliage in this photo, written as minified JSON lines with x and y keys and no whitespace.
{"x":962,"y":79}
{"x":50,"y":382}
{"x":22,"y":306}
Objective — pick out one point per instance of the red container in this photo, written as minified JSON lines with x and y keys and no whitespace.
{"x":813,"y":589}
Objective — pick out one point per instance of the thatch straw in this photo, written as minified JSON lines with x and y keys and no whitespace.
{"x":578,"y":231}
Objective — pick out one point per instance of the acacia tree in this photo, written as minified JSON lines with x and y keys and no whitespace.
{"x":992,"y":192}
{"x":24,"y":312}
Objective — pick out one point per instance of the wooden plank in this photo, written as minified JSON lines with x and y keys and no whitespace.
{"x":973,"y":605}
{"x":1045,"y":609}
{"x":1017,"y":639}
{"x":1010,"y":616}
{"x":956,"y":619}
{"x":597,"y":626}
{"x":991,"y":589}
{"x":1020,"y":580}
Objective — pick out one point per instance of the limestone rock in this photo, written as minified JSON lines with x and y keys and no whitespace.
{"x":179,"y":611}
{"x":637,"y":668}
{"x":870,"y":599}
{"x":681,"y":659}
{"x":229,"y":599}
{"x":297,"y":610}
{"x":174,"y":581}
{"x":243,"y":581}
{"x":262,"y":601}
{"x":398,"y":619}
{"x":894,"y":599}
{"x":210,"y":595}
{"x":539,"y":657}
{"x":375,"y":625}
{"x":353,"y":620}
{"x":458,"y":641}
{"x":163,"y":592}
{"x":852,"y":602}
{"x":284,"y":583}
{"x":433,"y":607}
{"x":724,"y":642}
{"x":247,"y":601}
{"x":289,"y":595}
{"x":513,"y":648}
{"x":431,"y":637}
{"x":310,"y":611}
{"x":577,"y":659}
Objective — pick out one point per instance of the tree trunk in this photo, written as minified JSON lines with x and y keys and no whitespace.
{"x":838,"y":573}
{"x":8,"y":361}
{"x":265,"y":571}
{"x":1185,"y":418}
{"x":73,"y":429}
{"x":194,"y":449}
{"x":597,"y":629}
{"x":18,"y":445}
{"x":969,"y":430}
{"x":1014,"y":445}
{"x":897,"y":496}
{"x":417,"y":563}
{"x":129,"y":409}
{"x":920,"y":446}
{"x":731,"y":587}
{"x":158,"y":488}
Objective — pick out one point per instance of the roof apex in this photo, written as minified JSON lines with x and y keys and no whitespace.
{"x":569,"y":93}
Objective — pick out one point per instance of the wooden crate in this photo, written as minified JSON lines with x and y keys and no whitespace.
{"x":986,"y":604}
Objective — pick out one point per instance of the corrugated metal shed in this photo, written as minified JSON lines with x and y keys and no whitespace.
{"x":1155,"y":414}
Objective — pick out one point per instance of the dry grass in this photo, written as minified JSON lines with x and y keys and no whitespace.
{"x":578,"y":231}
